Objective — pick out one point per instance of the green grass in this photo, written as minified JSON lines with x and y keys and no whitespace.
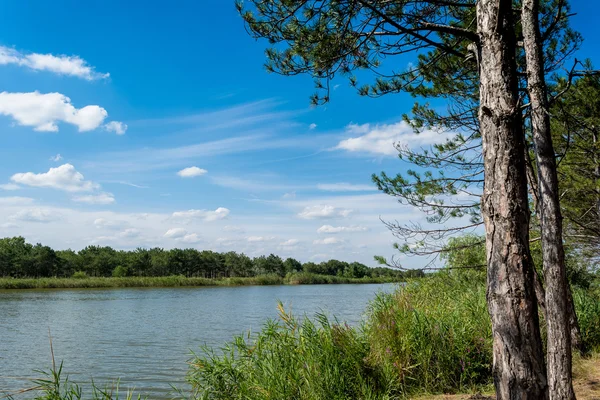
{"x":175,"y":281}
{"x":431,"y":336}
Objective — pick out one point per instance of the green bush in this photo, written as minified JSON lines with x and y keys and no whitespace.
{"x":587,"y":306}
{"x":79,"y":275}
{"x":120,"y":272}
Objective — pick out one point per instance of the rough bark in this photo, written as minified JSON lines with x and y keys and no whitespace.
{"x":540,"y":292}
{"x":558,"y":355}
{"x":518,"y":366}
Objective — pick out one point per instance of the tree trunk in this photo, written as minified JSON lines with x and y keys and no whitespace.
{"x":540,"y":292}
{"x":518,"y":367}
{"x":558,"y":356}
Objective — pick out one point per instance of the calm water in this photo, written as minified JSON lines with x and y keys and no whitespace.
{"x":145,"y":336}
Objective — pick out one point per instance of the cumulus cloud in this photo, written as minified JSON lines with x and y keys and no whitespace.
{"x":329,"y":240}
{"x":35,"y":215}
{"x":56,"y":158}
{"x":9,"y":225}
{"x":9,"y":186}
{"x":64,"y":177}
{"x":43,"y":111}
{"x":312,"y":126}
{"x":109,"y":224}
{"x":191,"y":172}
{"x":345,"y":187}
{"x":205,"y":215}
{"x":323,"y":212}
{"x":175,"y":233}
{"x":61,"y":64}
{"x":338,"y":229}
{"x":117,"y":127}
{"x":381,"y":139}
{"x":290,"y":195}
{"x":290,"y":242}
{"x":100,"y":198}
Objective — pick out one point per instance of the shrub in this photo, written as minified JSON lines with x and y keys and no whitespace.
{"x":79,"y":275}
{"x":120,"y":272}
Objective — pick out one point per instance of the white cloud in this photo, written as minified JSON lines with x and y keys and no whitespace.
{"x":129,"y":233}
{"x":100,"y":198}
{"x":175,"y":233}
{"x":259,"y":238}
{"x":290,"y":242}
{"x":381,"y":139}
{"x":191,"y":238}
{"x":191,"y":172}
{"x":312,"y":126}
{"x":56,"y":158}
{"x":109,"y":224}
{"x":35,"y":215}
{"x":230,"y":228}
{"x":290,"y":195}
{"x":64,"y":177}
{"x":44,"y":111}
{"x":323,"y":212}
{"x":9,"y":225}
{"x":329,"y":240}
{"x":206,"y":215}
{"x":338,"y":229}
{"x":62,"y":64}
{"x":10,"y":186}
{"x":117,"y":127}
{"x":345,"y":187}
{"x":15,"y":201}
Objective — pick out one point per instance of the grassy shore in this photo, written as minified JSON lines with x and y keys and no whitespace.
{"x":180,"y":281}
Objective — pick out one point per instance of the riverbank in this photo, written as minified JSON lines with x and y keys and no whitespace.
{"x":182,"y":281}
{"x":585,"y":382}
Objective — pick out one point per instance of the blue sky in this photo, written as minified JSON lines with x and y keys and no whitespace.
{"x":171,"y":133}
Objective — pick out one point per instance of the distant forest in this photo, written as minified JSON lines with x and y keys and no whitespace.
{"x":19,"y":259}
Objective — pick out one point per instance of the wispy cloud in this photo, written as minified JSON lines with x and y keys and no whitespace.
{"x":100,"y":199}
{"x":345,"y":187}
{"x":382,"y":139}
{"x":340,"y":229}
{"x":58,"y":64}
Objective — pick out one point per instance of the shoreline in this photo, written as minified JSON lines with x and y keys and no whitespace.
{"x":181,"y":281}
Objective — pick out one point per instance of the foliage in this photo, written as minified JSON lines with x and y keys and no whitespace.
{"x":289,"y":359}
{"x":79,"y":275}
{"x":433,"y":335}
{"x":53,"y":386}
{"x":19,"y":259}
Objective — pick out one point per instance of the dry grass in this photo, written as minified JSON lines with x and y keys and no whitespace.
{"x":587,"y":383}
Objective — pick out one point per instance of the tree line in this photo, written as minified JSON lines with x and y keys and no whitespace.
{"x":19,"y":259}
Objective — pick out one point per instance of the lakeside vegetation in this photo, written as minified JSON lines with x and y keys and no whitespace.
{"x":83,"y":281}
{"x":24,"y":265}
{"x":432,"y":336}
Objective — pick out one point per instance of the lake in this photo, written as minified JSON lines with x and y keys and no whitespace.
{"x":145,"y":336}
